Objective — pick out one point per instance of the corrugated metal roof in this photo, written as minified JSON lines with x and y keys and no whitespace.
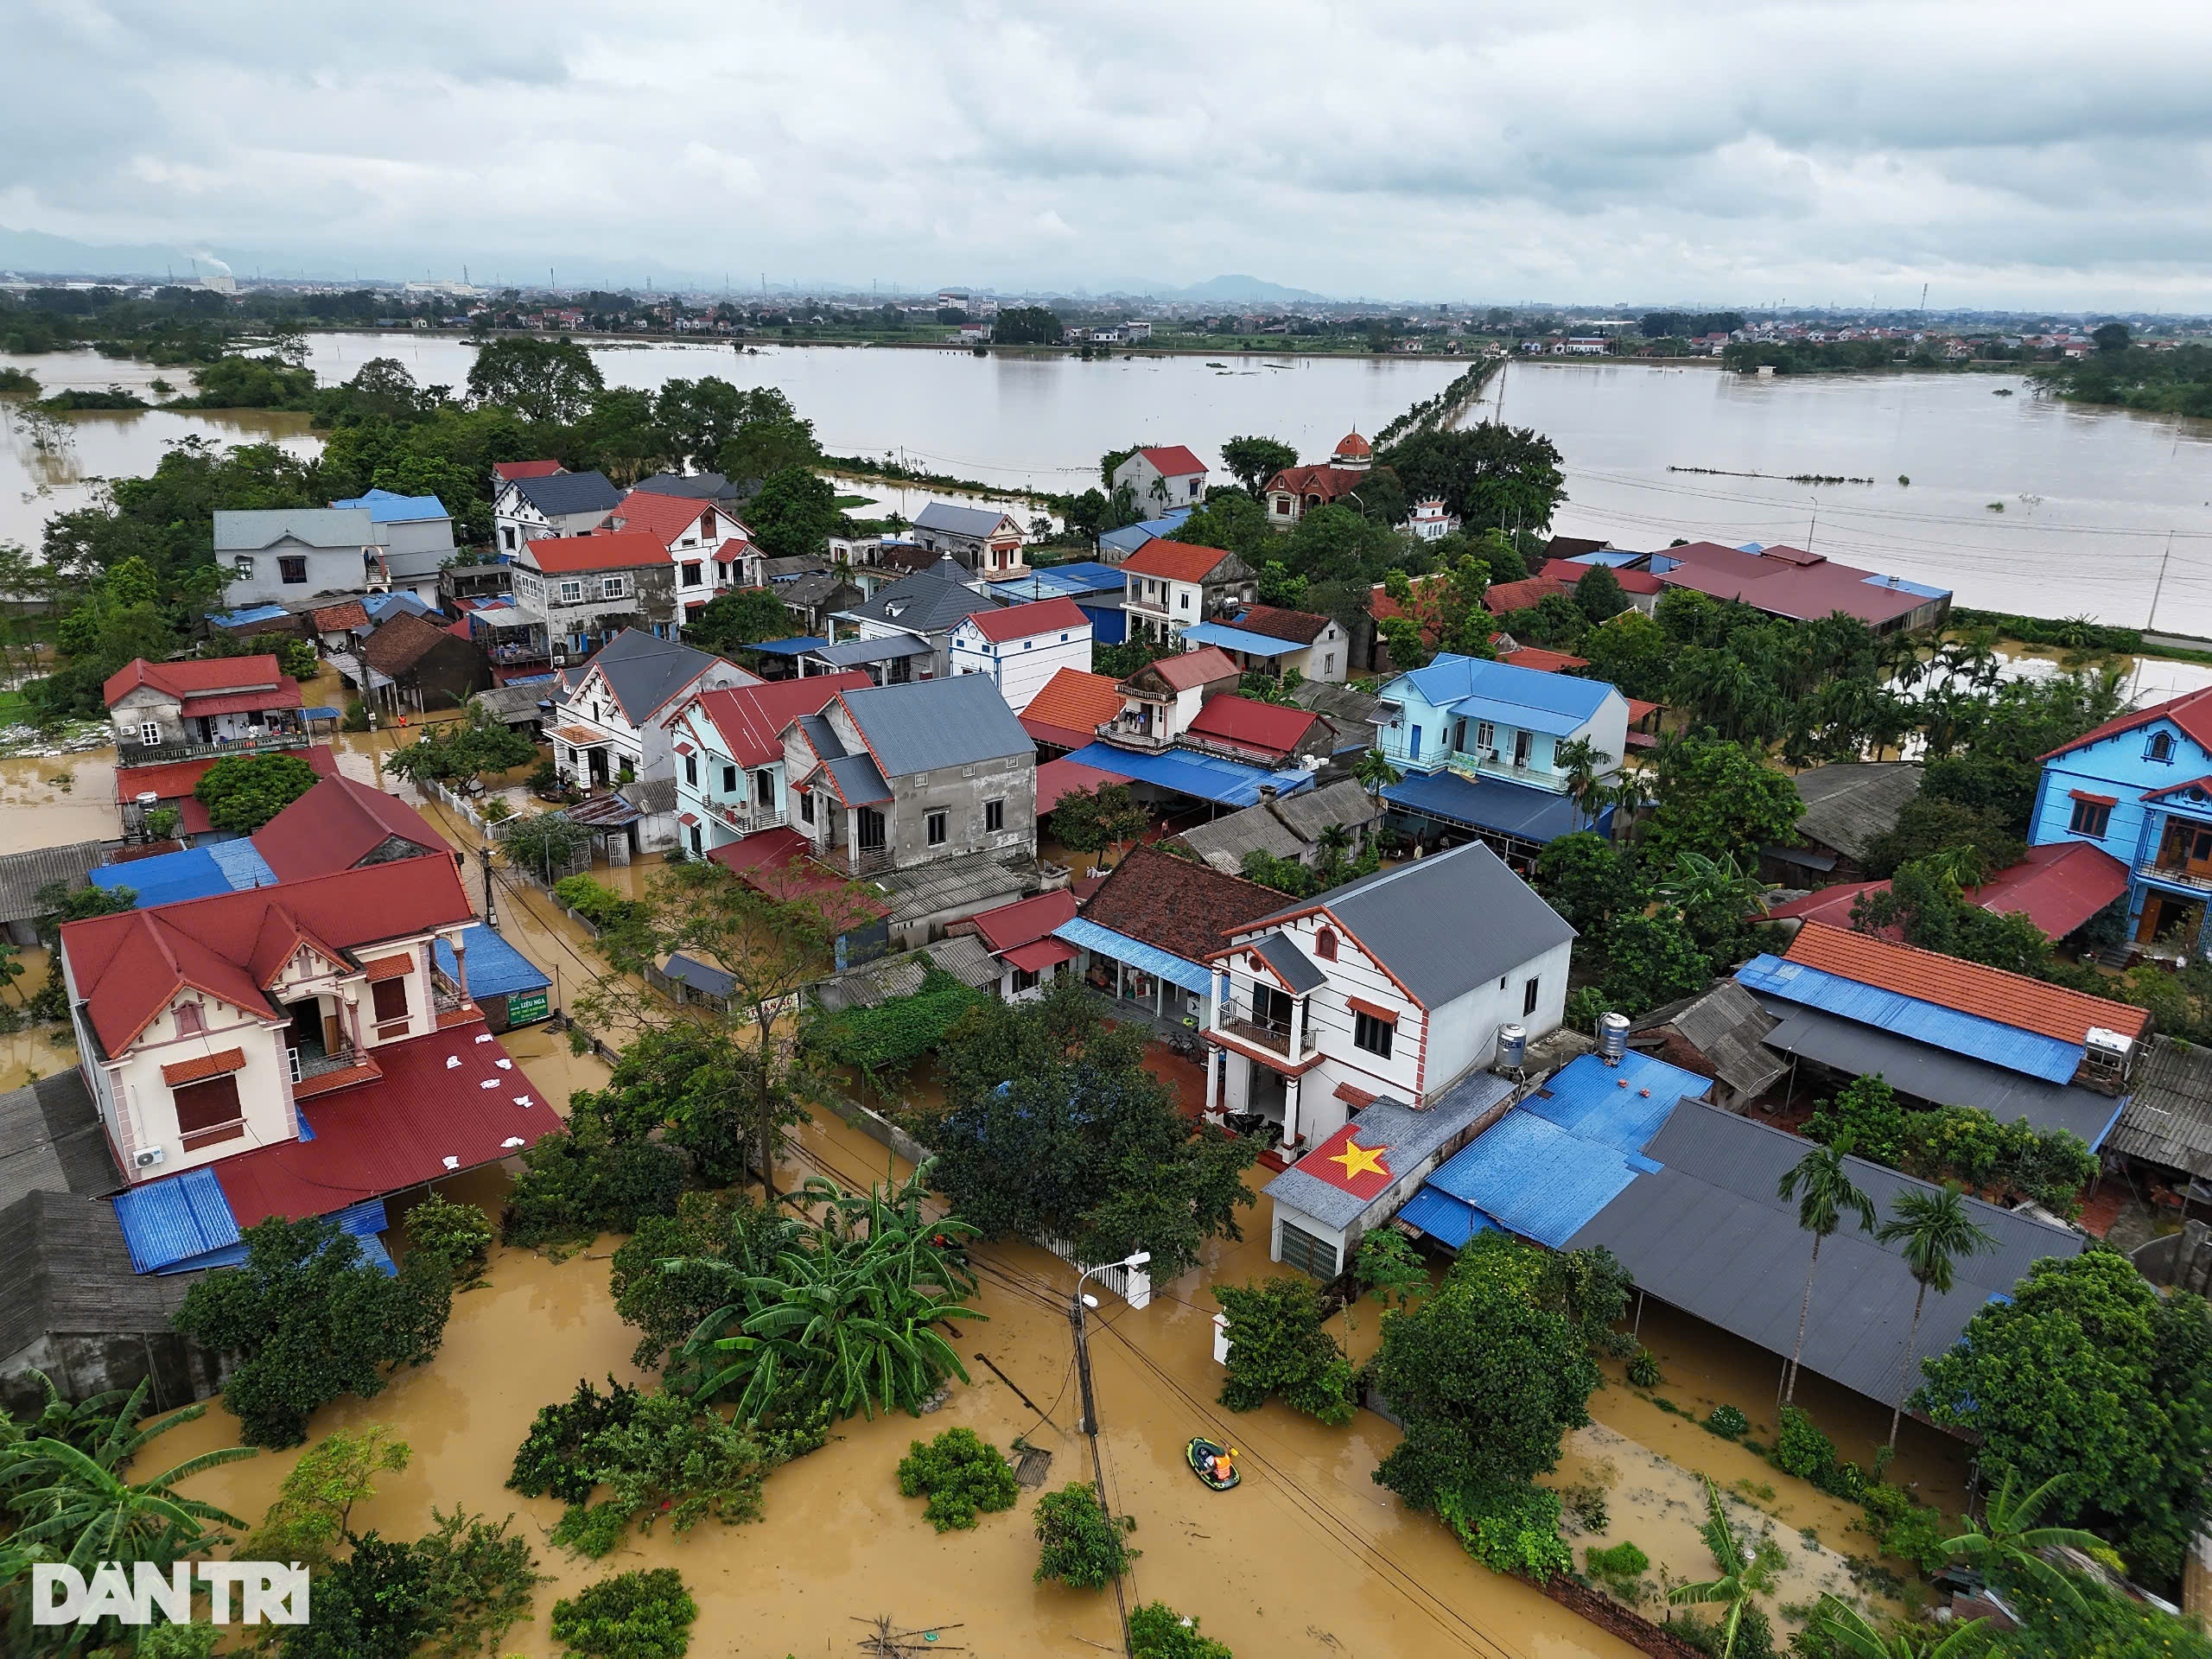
{"x":387,"y":508}
{"x":890,"y":649}
{"x":174,"y":1220}
{"x":1295,"y":966}
{"x":167,"y":878}
{"x":1147,"y":958}
{"x":1969,"y":987}
{"x":495,"y":968}
{"x":1185,"y":772}
{"x":1243,"y":640}
{"x":51,"y":1141}
{"x":960,"y":521}
{"x":1408,"y":1137}
{"x":1725,"y":1024}
{"x":2024,"y":1052}
{"x":1849,"y":804}
{"x":2168,"y":1120}
{"x":933,"y":723}
{"x":1513,"y":696}
{"x":1534,"y":814}
{"x":21,"y":875}
{"x":1947,"y":1078}
{"x":1443,"y":1217}
{"x":249,"y":530}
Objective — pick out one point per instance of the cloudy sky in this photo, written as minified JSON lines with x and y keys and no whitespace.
{"x":1596,"y":151}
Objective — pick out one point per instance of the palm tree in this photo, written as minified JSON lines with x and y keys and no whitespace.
{"x":1822,"y":1187}
{"x":1373,"y":773}
{"x":1741,"y":1573}
{"x":1851,"y":1636}
{"x":1583,"y":762}
{"x":2007,"y":1543}
{"x":1934,"y":1229}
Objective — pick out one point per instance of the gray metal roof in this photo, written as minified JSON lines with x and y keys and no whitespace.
{"x":69,"y":1273}
{"x":933,"y":723}
{"x":1411,"y":1136}
{"x":812,"y":588}
{"x":692,"y":487}
{"x":966,"y":957}
{"x":51,"y":1141}
{"x":821,"y":736}
{"x":245,"y":531}
{"x":1947,"y":1077}
{"x":1847,"y":804}
{"x":21,"y":875}
{"x":979,"y":522}
{"x":1443,"y":925}
{"x":2168,"y":1120}
{"x":559,"y":493}
{"x":1297,"y":968}
{"x":967,"y":883}
{"x":1707,"y":1233}
{"x":1727,"y":1026}
{"x":859,"y":780}
{"x":1287,"y":827}
{"x":855,"y":654}
{"x":929,"y":601}
{"x":645,"y":671}
{"x":515,"y":704}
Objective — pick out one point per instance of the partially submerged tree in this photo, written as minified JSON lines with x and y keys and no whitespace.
{"x":243,"y":792}
{"x":463,"y":754}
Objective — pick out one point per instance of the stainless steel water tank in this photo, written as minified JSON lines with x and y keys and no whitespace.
{"x":1512,"y":1047}
{"x":1612,"y":1037}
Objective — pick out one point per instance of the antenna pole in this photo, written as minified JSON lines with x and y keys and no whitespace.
{"x":2161,"y":587}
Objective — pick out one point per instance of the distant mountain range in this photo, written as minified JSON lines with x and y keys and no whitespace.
{"x":1235,"y":290}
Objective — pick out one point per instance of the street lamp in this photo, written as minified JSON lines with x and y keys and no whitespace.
{"x":1089,"y":1424}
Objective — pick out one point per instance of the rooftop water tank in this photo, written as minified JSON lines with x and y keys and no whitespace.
{"x":1612,"y":1037}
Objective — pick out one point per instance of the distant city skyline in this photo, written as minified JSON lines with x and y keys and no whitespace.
{"x":1728,"y":153}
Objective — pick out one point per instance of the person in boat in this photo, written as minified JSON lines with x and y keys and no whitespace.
{"x":1222,"y":1469}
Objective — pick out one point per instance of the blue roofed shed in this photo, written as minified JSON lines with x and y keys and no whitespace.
{"x":508,"y":985}
{"x":1185,"y":772}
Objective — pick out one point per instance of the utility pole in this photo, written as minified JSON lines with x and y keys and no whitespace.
{"x":1089,"y":1424}
{"x":2164,"y":559}
{"x":490,"y":920}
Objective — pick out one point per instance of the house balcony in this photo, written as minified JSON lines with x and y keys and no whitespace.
{"x":1146,"y":738}
{"x":317,"y":1072}
{"x":154,"y":754}
{"x":1500,"y":764}
{"x":2179,"y":872}
{"x":1267,"y":1043}
{"x":745,"y":819}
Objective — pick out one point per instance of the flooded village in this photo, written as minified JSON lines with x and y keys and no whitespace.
{"x":1260,"y":1057}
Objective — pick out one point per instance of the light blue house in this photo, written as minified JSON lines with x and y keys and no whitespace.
{"x":1479,"y":745}
{"x":2140,"y":788}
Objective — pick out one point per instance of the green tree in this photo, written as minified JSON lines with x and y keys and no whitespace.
{"x":461,"y":753}
{"x":794,"y":514}
{"x":307,"y":1319}
{"x":1849,"y":1634}
{"x":1491,"y":476}
{"x":1630,"y":651}
{"x":459,"y":1234}
{"x":962,"y":1475}
{"x":1373,"y":773}
{"x":730,"y":622}
{"x":1715,"y":899}
{"x":1821,"y":1182}
{"x":640,"y":1615}
{"x":1091,"y":820}
{"x":1027,"y":325}
{"x":2112,"y":337}
{"x":1866,"y":1112}
{"x":1934,"y":1229}
{"x":312,"y":1513}
{"x":1158,"y":1631}
{"x":1720,"y":799}
{"x":243,"y":792}
{"x":1252,"y":460}
{"x":1650,"y":960}
{"x":1278,"y":1344}
{"x":544,"y":380}
{"x":1598,"y":595}
{"x":2011,"y":1544}
{"x":1079,"y":1544}
{"x":1584,"y":878}
{"x":1742,"y":1573}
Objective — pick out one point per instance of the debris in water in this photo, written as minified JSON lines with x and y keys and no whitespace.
{"x":889,"y":1644}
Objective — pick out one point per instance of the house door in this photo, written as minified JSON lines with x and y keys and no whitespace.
{"x":308,"y":1031}
{"x":1521,"y":741}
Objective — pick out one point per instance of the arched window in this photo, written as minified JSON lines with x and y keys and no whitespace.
{"x":1325,"y":945}
{"x":2160,"y":747}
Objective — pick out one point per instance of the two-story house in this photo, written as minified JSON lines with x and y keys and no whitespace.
{"x":1479,"y":745}
{"x":891,"y":777}
{"x":542,"y":506}
{"x":415,"y":533}
{"x":987,"y":541}
{"x":276,"y":554}
{"x":728,"y":746}
{"x":1158,"y":479}
{"x":609,"y":723}
{"x":1296,"y":491}
{"x":1267,"y":639}
{"x":2139,"y":788}
{"x":905,"y":632}
{"x":706,"y":544}
{"x":1021,"y":647}
{"x":1161,"y":700}
{"x":573,"y":593}
{"x":174,"y":707}
{"x":1171,"y":585}
{"x":1396,"y":984}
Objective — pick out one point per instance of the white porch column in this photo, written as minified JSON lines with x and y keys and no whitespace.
{"x":1214,"y":1064}
{"x":1297,"y":1025}
{"x":1290,"y":1117}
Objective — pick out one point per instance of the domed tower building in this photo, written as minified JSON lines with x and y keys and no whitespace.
{"x":1291,"y":492}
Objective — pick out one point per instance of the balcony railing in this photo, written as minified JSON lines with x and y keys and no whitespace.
{"x":2180,"y":874}
{"x":1269,"y":1035}
{"x":315,"y":1063}
{"x":1129,"y":735}
{"x":1480,"y":764}
{"x":152,"y":755}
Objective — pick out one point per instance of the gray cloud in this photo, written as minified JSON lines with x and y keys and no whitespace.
{"x":1594,"y":148}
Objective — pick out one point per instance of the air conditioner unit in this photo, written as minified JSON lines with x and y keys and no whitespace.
{"x":2106,"y":1057}
{"x":147,"y":1158}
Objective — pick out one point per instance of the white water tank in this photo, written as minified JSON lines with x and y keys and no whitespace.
{"x":1612,"y":1037}
{"x":1512,"y":1047}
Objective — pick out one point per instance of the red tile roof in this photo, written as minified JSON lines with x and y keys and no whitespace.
{"x":127,"y":967}
{"x":666,"y":517}
{"x":750,"y":718}
{"x":1025,"y":920}
{"x":1300,"y":628}
{"x":337,"y":824}
{"x":2191,"y":712}
{"x":1022,"y":621}
{"x":618,"y":550}
{"x":1188,"y":670}
{"x":1069,"y":709}
{"x":1184,"y":908}
{"x":1327,"y":482}
{"x":1632,"y":581}
{"x":200,"y":678}
{"x":1167,"y":560}
{"x":511,"y":470}
{"x":200,"y":1068}
{"x":1543,"y":661}
{"x":1267,"y":727}
{"x":394,"y":1132}
{"x":2058,"y":888}
{"x":1504,"y":598}
{"x":1174,"y":460}
{"x":1987,"y":993}
{"x":402,"y":642}
{"x":337,"y":618}
{"x":1057,"y":778}
{"x":779,"y":863}
{"x":172,"y":782}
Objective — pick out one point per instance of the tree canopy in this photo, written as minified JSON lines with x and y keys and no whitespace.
{"x":541,"y":378}
{"x":243,"y":792}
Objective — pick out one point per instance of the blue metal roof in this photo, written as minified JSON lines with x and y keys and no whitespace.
{"x":1243,"y":640}
{"x":1534,"y":814}
{"x":1513,"y":696}
{"x":174,"y":1220}
{"x":700,"y":977}
{"x":797,"y":645}
{"x":1613,"y":558}
{"x":379,"y":606}
{"x":1202,"y":777}
{"x":241,"y":861}
{"x":495,"y":968}
{"x":1126,"y":540}
{"x":252,"y":613}
{"x":1085,"y":579}
{"x":2028,"y":1052}
{"x":1903,"y":586}
{"x":386,"y":508}
{"x":324,"y":711}
{"x":1443,"y":1217}
{"x":1148,"y":958}
{"x":167,"y":878}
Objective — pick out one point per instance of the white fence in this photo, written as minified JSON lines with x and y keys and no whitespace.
{"x":1132,"y":1284}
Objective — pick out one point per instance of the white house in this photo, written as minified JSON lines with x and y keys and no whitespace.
{"x":284,"y":553}
{"x":606,"y":727}
{"x":1395,"y":985}
{"x":1022,"y":646}
{"x":709,"y":547}
{"x":728,"y":747}
{"x":985,"y":540}
{"x":548,"y":505}
{"x":1431,"y":521}
{"x":1169,"y":476}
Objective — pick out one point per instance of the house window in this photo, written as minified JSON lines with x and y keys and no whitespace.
{"x":729,"y":780}
{"x":292,"y":569}
{"x":188,"y":1020}
{"x":1325,"y":944}
{"x":2090,"y":818}
{"x":242,"y":566}
{"x":868,"y":828}
{"x":1308,"y":1254}
{"x":149,"y":732}
{"x":691,"y":576}
{"x":507,"y":536}
{"x":691,"y":770}
{"x":2160,"y":747}
{"x":706,"y":525}
{"x":610,"y":586}
{"x":1528,"y":997}
{"x":572,"y":592}
{"x":1024,"y":979}
{"x":696,"y":846}
{"x":391,"y":999}
{"x":993,"y":816}
{"x":1485,"y":736}
{"x":209,"y":1112}
{"x":1182,"y":601}
{"x":1372,"y":1035}
{"x":936,"y":828}
{"x":806,"y":806}
{"x":1329,"y":662}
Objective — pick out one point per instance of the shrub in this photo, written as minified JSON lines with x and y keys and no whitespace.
{"x":1620,"y":1569}
{"x":576,"y":1186}
{"x":1727,"y":1421}
{"x":595,"y":902}
{"x":1080,"y":1544}
{"x":1801,"y":1449}
{"x":1643,"y":1370}
{"x":459,"y":1235}
{"x":1911,"y":1532}
{"x":1277,"y":1346}
{"x":643,"y":1615}
{"x":962,"y":1475}
{"x":1583,"y":1006}
{"x":1509,"y":1526}
{"x":1158,"y":1631}
{"x":549,"y":1460}
{"x":356,"y":718}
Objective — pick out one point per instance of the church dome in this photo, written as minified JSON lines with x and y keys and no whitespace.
{"x":1354,"y":451}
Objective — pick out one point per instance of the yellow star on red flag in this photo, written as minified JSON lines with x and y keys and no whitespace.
{"x":1358,"y":1160}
